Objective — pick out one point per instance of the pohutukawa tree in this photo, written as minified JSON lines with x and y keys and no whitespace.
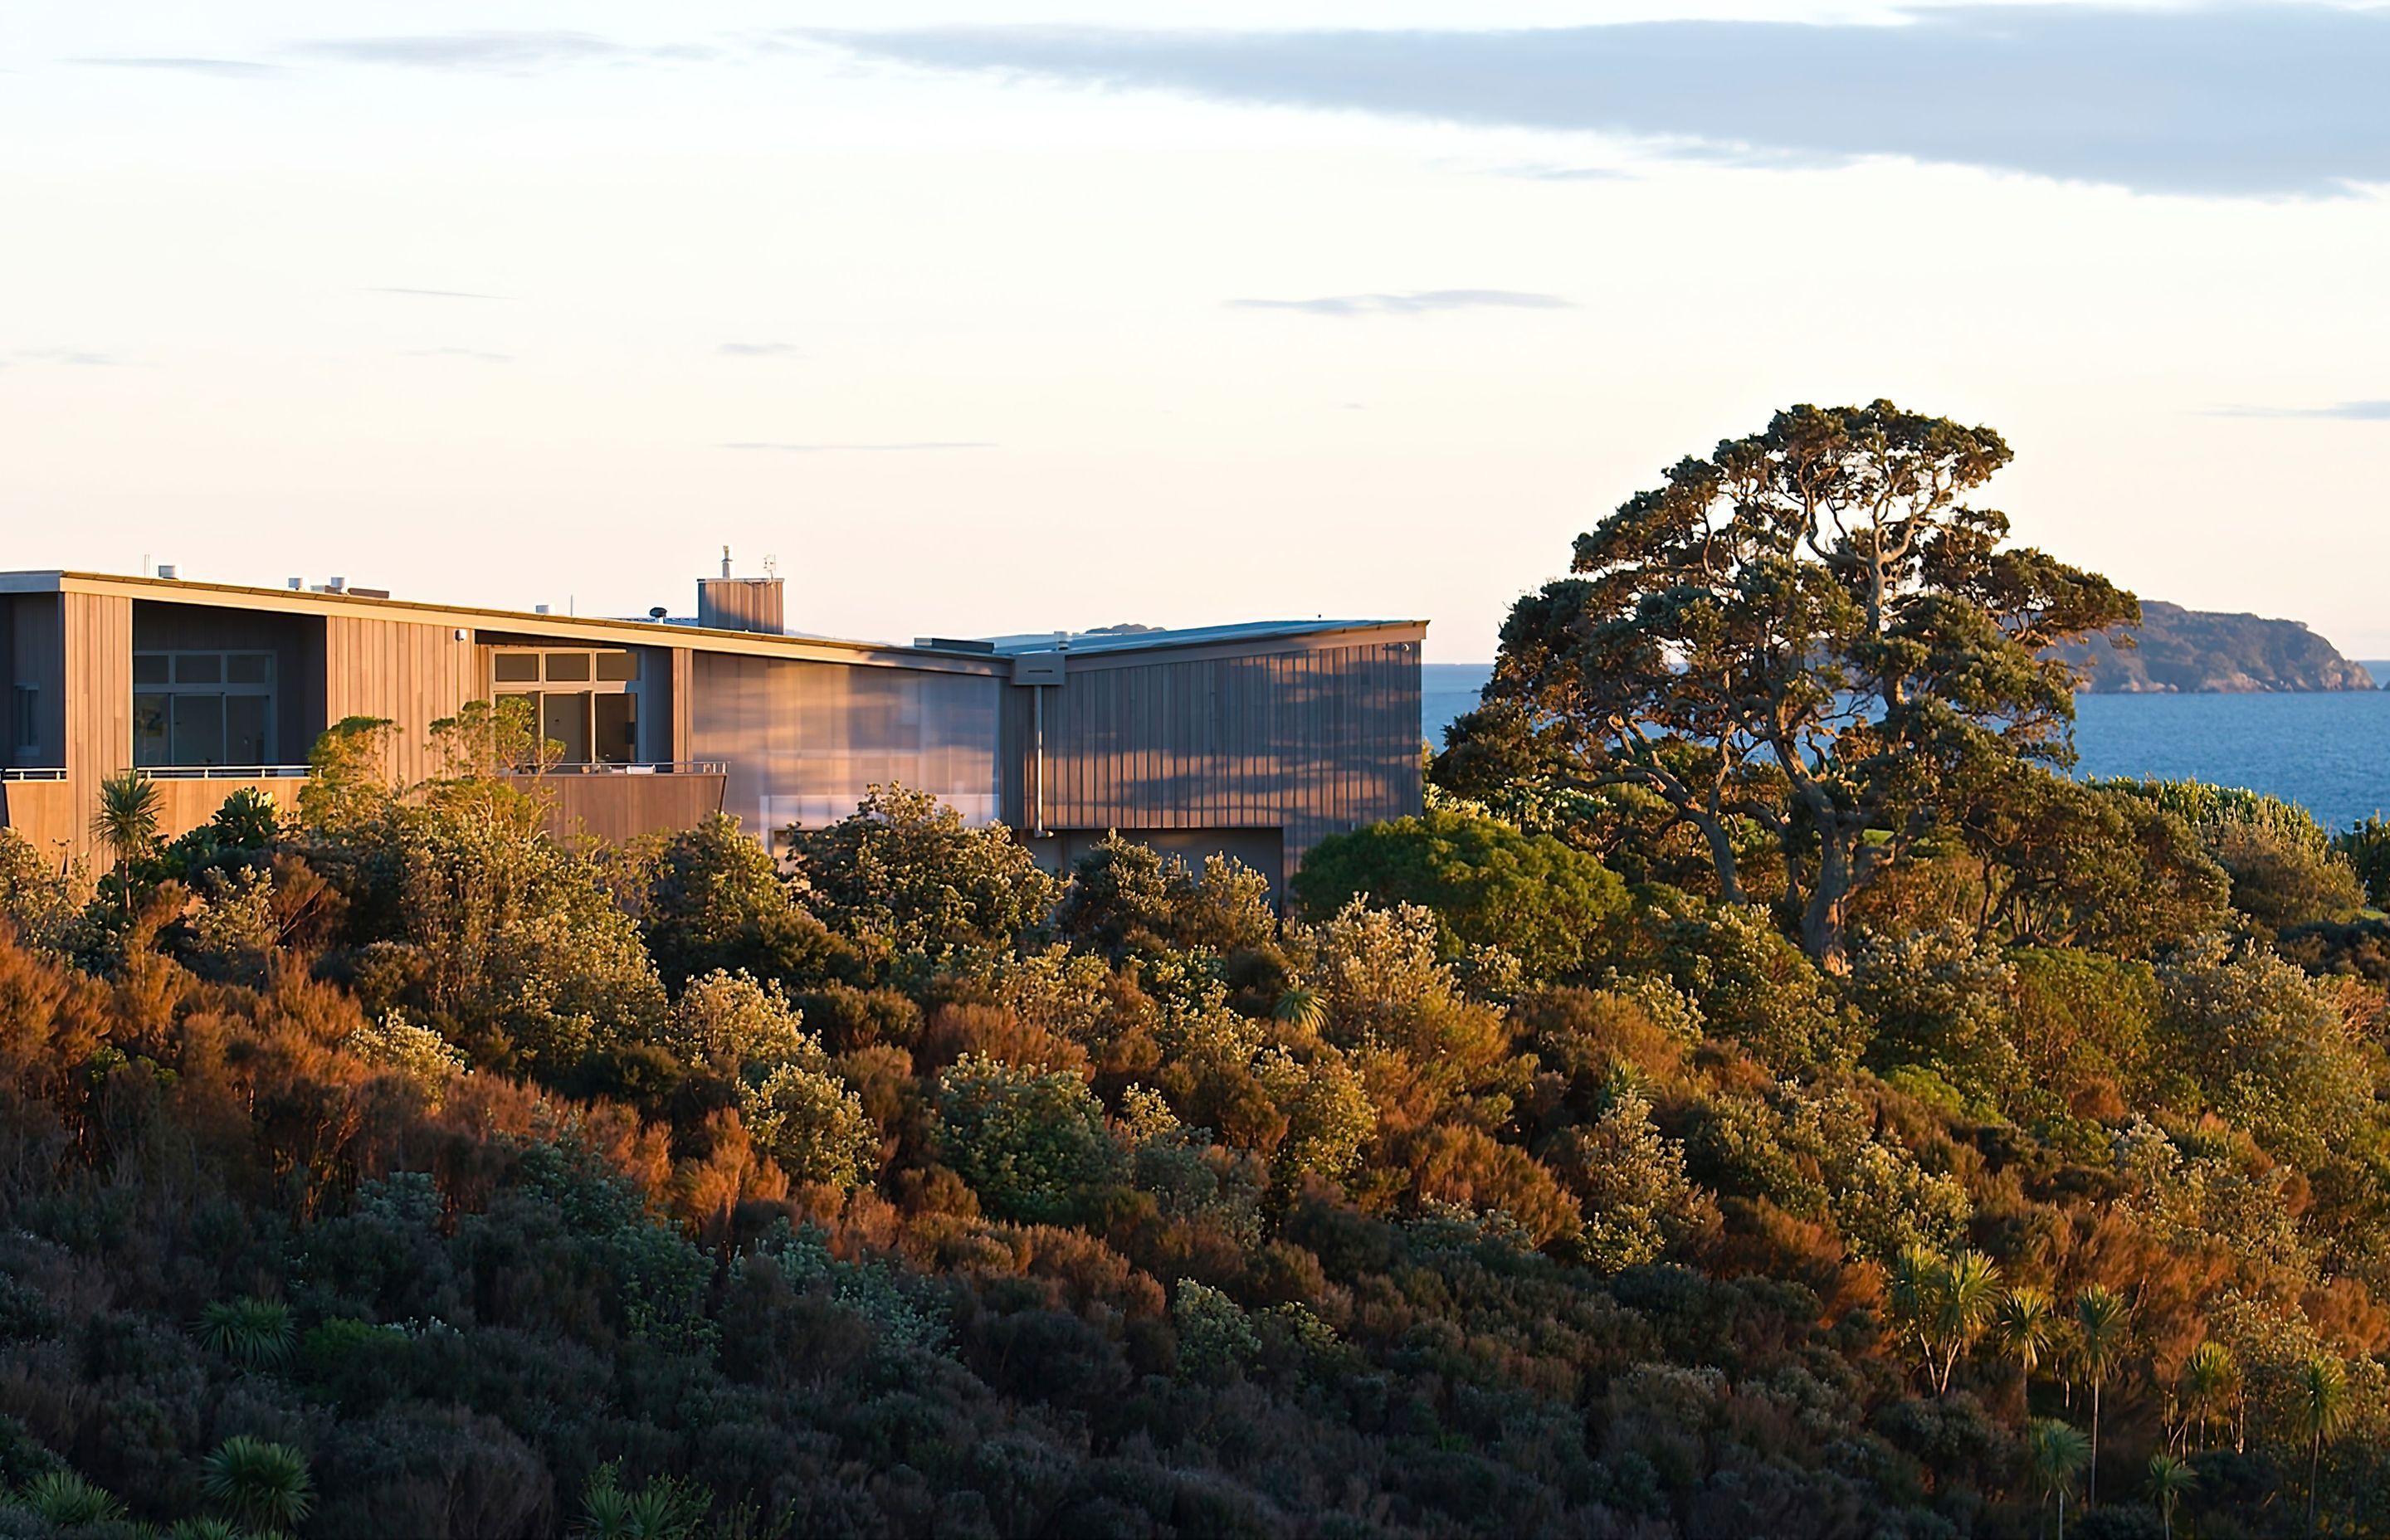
{"x":1813,"y":631}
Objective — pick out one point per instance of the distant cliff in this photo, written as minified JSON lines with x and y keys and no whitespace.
{"x":2194,"y":651}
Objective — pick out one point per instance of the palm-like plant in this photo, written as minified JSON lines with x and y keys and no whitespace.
{"x":2055,"y":1452}
{"x":1947,"y":1301}
{"x":662,"y":1510}
{"x":2024,"y":1327}
{"x":126,"y":823}
{"x":254,"y":1334}
{"x":2170,"y":1480}
{"x":1301,"y":1008}
{"x":2209,"y":1376}
{"x":2101,"y":1323}
{"x":265,"y":1484}
{"x":68,"y":1501}
{"x":206,"y":1529}
{"x":2319,"y":1409}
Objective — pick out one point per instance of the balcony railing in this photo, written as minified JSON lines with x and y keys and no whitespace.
{"x":658,"y":767}
{"x":33,"y":774}
{"x":223,"y":772}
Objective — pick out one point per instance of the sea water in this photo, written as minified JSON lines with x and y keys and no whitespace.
{"x":2330,"y":752}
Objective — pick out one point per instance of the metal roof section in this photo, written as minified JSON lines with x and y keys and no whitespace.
{"x":970,"y":655}
{"x":1198,"y":636}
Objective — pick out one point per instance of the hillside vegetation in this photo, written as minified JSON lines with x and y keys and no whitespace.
{"x":1591,"y":1155}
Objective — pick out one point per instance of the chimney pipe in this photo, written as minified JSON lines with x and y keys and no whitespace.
{"x":726,"y":562}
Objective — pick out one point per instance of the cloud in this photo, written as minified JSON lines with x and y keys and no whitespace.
{"x":1569,"y":173}
{"x":473,"y":353}
{"x":2347,"y":411}
{"x":900,"y":447}
{"x":760,"y":350}
{"x":512,"y":53}
{"x":2236,"y":99}
{"x":74,"y":357}
{"x":435,"y":293}
{"x":230,"y":68}
{"x":508,"y":53}
{"x":1420,"y":304}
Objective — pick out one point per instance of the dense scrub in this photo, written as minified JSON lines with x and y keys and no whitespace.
{"x":409,"y":1172}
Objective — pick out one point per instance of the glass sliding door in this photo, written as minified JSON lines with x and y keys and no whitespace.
{"x":595,"y":720}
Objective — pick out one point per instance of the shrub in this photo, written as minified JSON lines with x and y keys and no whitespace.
{"x":812,"y":1124}
{"x":1032,"y":1145}
{"x":1488,"y":885}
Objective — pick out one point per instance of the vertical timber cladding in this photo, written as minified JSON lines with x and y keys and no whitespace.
{"x":806,"y":740}
{"x":1310,"y":742}
{"x":404,"y":671}
{"x":98,"y":635}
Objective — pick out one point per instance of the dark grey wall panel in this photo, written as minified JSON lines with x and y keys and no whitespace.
{"x":1306,"y":742}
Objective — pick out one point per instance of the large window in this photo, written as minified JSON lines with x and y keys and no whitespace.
{"x":585,"y":700}
{"x":203,"y":708}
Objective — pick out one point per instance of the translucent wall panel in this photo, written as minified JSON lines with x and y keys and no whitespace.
{"x":804,"y":741}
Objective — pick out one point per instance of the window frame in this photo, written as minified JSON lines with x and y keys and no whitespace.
{"x":175,"y":688}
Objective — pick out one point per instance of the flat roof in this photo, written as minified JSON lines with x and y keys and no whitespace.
{"x":1194,"y":635}
{"x":989,"y":655}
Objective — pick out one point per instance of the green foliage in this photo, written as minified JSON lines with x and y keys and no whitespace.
{"x":2366,"y":847}
{"x":716,"y":904}
{"x":254,"y":1334}
{"x":1811,"y":628}
{"x":902,"y":1313}
{"x":65,"y":1499}
{"x":1215,"y":1337}
{"x":519,"y":942}
{"x":2100,"y":867}
{"x":902,"y":874}
{"x":1034,"y":1145}
{"x":124,"y":823}
{"x":2247,"y":1034}
{"x":2286,"y":870}
{"x":811,"y":1123}
{"x":2083,"y":1017}
{"x":1753,"y":986}
{"x":660,"y":1510}
{"x":265,"y":1484}
{"x":1125,"y":897}
{"x":1488,"y":884}
{"x":414,"y":1054}
{"x":1940,"y":1001}
{"x":1631,"y":1180}
{"x":37,"y":903}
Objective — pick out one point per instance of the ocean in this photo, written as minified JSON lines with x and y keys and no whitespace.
{"x":2330,"y":752}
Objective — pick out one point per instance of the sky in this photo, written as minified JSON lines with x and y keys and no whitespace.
{"x":984,"y":318}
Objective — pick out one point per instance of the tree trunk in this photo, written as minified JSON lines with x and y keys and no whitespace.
{"x":1722,"y":857}
{"x":2091,"y":1481}
{"x":2315,"y":1468}
{"x":1824,"y":918}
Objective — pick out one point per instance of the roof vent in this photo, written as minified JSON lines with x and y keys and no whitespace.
{"x":336,"y":586}
{"x":298,"y":583}
{"x":166,"y":570}
{"x":539,"y":610}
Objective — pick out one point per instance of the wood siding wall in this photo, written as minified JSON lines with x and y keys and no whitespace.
{"x":1307,"y":742}
{"x":618,"y":808}
{"x":413,"y":674}
{"x":100,"y":696}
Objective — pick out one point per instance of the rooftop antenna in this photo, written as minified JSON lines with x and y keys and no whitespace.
{"x":771,"y":565}
{"x":726,"y":562}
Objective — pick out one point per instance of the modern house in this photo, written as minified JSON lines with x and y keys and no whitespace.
{"x":1254,"y":740}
